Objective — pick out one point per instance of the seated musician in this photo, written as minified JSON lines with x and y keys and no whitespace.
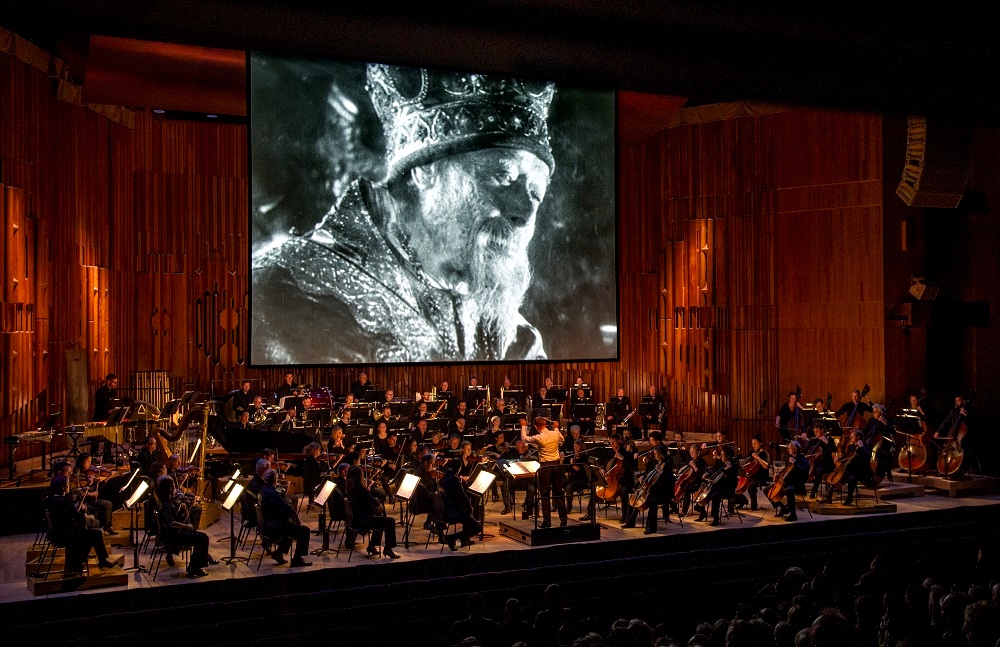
{"x":393,"y":460}
{"x":761,"y":477}
{"x":100,"y":509}
{"x":577,"y":478}
{"x":423,"y":500}
{"x":421,"y":411}
{"x":346,"y":418}
{"x":725,"y":489}
{"x":178,"y":531}
{"x":244,"y":424}
{"x":856,"y":461}
{"x":661,"y":492}
{"x":824,"y":464}
{"x":951,"y":422}
{"x":656,"y":410}
{"x":69,"y":529}
{"x":380,"y":443}
{"x":257,"y":481}
{"x":419,"y":431}
{"x":543,"y":397}
{"x":148,"y":455}
{"x":619,"y":407}
{"x":518,"y":451}
{"x":291,"y":418}
{"x":466,"y":462}
{"x":366,"y":513}
{"x":696,"y":462}
{"x":625,"y":454}
{"x":458,"y":427}
{"x":257,"y":411}
{"x":386,"y":414}
{"x":336,"y":443}
{"x":181,"y":477}
{"x":335,"y":504}
{"x":795,"y":481}
{"x":495,"y":426}
{"x":792,"y":418}
{"x":453,"y":451}
{"x":390,"y":396}
{"x":460,"y":410}
{"x":457,"y":509}
{"x":570,"y":442}
{"x":282,"y":524}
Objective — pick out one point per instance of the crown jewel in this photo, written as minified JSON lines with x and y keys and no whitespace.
{"x":428,"y":114}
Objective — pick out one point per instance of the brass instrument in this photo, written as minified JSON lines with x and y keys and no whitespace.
{"x":600,"y":418}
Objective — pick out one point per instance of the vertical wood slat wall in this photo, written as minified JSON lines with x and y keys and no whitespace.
{"x":743,"y":268}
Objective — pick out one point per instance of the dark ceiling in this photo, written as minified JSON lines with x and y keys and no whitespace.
{"x":891,"y":58}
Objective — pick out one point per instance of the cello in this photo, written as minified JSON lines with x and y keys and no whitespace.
{"x":640,"y":497}
{"x":952,"y":455}
{"x":840,"y":465}
{"x":708,"y":485}
{"x":913,"y":455}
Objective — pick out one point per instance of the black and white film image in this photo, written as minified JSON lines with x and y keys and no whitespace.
{"x":408,"y":215}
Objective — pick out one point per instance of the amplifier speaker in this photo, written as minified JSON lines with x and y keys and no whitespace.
{"x":938,"y":161}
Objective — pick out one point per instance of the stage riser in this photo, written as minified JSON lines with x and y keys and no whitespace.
{"x":680,"y":572}
{"x":59,"y":563}
{"x":967,"y":485}
{"x":525,"y":533}
{"x":97,"y":579}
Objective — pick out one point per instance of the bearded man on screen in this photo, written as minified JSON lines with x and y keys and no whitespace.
{"x":430,"y":264}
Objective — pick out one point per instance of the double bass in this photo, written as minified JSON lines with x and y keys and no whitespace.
{"x":951,"y":457}
{"x":913,"y":455}
{"x":855,"y":421}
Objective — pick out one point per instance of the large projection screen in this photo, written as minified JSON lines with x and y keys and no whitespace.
{"x":404,"y":215}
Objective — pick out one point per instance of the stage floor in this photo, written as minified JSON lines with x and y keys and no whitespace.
{"x":13,"y":581}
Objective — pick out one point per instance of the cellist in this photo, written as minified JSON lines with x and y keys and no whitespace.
{"x":857,"y":468}
{"x":824,"y":464}
{"x":725,"y":488}
{"x":661,"y":492}
{"x":858,"y":406}
{"x":794,"y":481}
{"x":761,"y":477}
{"x":691,"y":474}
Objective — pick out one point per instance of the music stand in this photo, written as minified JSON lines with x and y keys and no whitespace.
{"x":404,"y":493}
{"x":474,"y":395}
{"x":230,"y":482}
{"x":131,"y":504}
{"x":557,"y":394}
{"x":514,"y":395}
{"x":325,"y":489}
{"x":234,"y":495}
{"x":481,"y":479}
{"x":596,"y":477}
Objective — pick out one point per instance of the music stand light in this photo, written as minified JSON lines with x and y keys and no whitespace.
{"x":131,"y":504}
{"x":404,"y":493}
{"x":231,"y":482}
{"x":229,"y":504}
{"x":407,"y":487}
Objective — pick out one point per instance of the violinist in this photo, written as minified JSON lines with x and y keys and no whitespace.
{"x":457,"y":509}
{"x":661,"y":492}
{"x":824,"y":463}
{"x":792,"y":418}
{"x":574,"y":435}
{"x":794,"y":481}
{"x":281,"y":523}
{"x":577,"y":477}
{"x":180,"y":477}
{"x":86,"y":473}
{"x":257,"y":481}
{"x":761,"y":477}
{"x":423,"y":501}
{"x":466,"y":463}
{"x":368,"y":514}
{"x":69,"y":529}
{"x":856,"y":462}
{"x":392,"y":463}
{"x":698,"y":466}
{"x":550,"y":475}
{"x":179,"y":532}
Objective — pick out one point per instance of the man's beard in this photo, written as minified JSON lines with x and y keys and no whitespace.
{"x":499,"y":275}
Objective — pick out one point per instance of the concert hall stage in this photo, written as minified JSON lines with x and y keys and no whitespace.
{"x":674,"y":568}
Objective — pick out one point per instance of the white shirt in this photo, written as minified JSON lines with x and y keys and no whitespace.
{"x":547,"y":440}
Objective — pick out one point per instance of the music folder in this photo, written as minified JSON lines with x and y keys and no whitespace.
{"x":521,"y":469}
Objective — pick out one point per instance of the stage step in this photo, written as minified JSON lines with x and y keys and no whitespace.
{"x":896,"y":490}
{"x":965,"y":485}
{"x":34,"y":553}
{"x":59,"y":563}
{"x":524,"y":532}
{"x":866,"y":505}
{"x":98,"y":578}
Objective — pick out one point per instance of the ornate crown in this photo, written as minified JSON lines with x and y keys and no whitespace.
{"x":429,"y":114}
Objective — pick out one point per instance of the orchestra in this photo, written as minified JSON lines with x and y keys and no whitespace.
{"x":365,"y":448}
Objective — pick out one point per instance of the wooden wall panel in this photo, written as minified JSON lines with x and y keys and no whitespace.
{"x":745,"y":263}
